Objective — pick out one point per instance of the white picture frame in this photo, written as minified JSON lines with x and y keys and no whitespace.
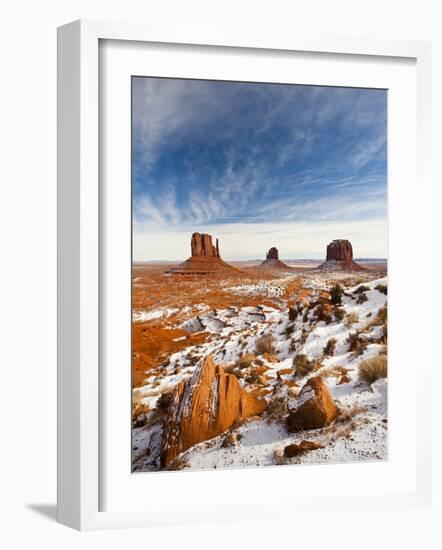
{"x":79,"y":270}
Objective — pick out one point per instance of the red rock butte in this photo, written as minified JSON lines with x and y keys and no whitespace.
{"x":272,"y":261}
{"x":340,"y":256}
{"x":205,"y":258}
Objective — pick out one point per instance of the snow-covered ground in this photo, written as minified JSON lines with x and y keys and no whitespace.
{"x":361,"y":434}
{"x":143,"y":316}
{"x":263,"y":288}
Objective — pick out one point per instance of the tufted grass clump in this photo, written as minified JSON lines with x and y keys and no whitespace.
{"x":303,"y":365}
{"x":329,"y":348}
{"x":356,"y":343}
{"x":245,"y":360}
{"x":373,"y":369}
{"x":265,"y":344}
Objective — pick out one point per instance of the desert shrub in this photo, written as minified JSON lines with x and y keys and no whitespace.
{"x":303,"y":365}
{"x":348,"y":414}
{"x":253,"y":376}
{"x":289,"y":329}
{"x":322,"y":314}
{"x":361,"y":298}
{"x":265,"y":344}
{"x":164,"y":401}
{"x":293,"y":313}
{"x":382,"y":288}
{"x":329,"y":348}
{"x":360,"y":289}
{"x":245,"y":360}
{"x":336,"y":294}
{"x":277,"y":408}
{"x":351,"y":319}
{"x":335,"y":371}
{"x":356,"y":343}
{"x":339,"y":313}
{"x":270,"y":357}
{"x":304,"y":336}
{"x":373,"y":369}
{"x":381,"y":317}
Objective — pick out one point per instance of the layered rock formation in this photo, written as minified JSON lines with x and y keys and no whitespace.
{"x":272,"y":261}
{"x":205,"y":406}
{"x":201,"y":245}
{"x":340,"y":256}
{"x":314,"y":408}
{"x":205,"y":258}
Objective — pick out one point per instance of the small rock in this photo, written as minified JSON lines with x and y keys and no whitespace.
{"x":231,"y":440}
{"x":296,"y":449}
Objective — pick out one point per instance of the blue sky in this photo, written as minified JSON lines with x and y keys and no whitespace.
{"x":257,"y":165}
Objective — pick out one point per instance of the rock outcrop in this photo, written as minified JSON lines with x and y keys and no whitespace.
{"x":272,"y":261}
{"x":201,"y":245}
{"x":205,"y":258}
{"x":314,"y":407}
{"x":205,"y":406}
{"x":340,"y":257}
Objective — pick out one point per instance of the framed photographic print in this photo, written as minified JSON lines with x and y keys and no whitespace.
{"x":235,"y":221}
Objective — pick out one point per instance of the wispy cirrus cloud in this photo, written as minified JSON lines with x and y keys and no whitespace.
{"x":221,"y":153}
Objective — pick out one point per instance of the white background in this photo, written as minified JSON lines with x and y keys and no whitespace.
{"x":28,"y":277}
{"x":121,"y":490}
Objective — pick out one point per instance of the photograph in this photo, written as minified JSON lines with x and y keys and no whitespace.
{"x":259,"y":283}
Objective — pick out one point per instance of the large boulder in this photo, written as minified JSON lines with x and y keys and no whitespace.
{"x":296,"y":449}
{"x":314,"y":407}
{"x":205,"y":406}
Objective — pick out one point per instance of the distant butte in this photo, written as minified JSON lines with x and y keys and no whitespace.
{"x":272,"y":261}
{"x":205,"y":258}
{"x":340,"y":257}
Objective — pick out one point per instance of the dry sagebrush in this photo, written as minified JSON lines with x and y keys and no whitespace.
{"x":373,"y":369}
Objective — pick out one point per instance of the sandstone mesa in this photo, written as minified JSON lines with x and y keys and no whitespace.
{"x":340,"y":257}
{"x":205,"y":258}
{"x":272,"y":261}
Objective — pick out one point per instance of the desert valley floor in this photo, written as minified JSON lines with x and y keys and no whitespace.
{"x":273,"y":330}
